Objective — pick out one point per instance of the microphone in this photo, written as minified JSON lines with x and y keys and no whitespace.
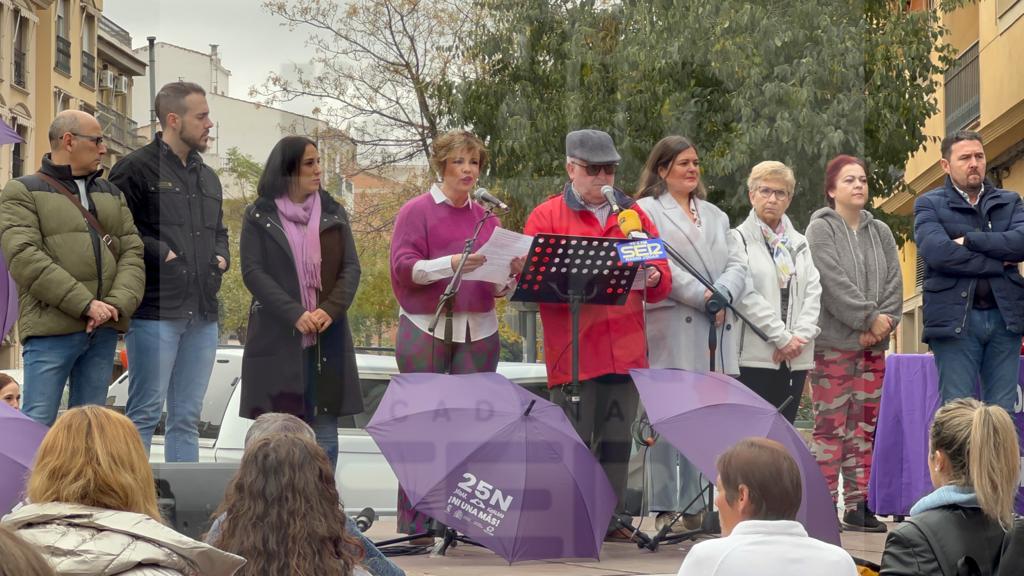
{"x":630,"y":225}
{"x":609,"y":195}
{"x":365,"y":519}
{"x":482,"y":195}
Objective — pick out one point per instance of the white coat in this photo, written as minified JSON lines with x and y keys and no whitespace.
{"x":677,"y":327}
{"x":762,"y":302}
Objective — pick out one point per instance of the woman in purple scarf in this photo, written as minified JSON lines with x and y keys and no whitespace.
{"x":426,"y":245}
{"x":299,"y":262}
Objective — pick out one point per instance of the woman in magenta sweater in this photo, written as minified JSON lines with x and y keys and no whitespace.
{"x":426,"y":245}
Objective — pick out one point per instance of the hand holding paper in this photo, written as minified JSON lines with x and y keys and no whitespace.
{"x":499,"y":251}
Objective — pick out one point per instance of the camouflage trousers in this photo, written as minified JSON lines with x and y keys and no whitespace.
{"x":846,"y":386}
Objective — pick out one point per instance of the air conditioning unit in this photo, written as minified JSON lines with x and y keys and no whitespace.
{"x":106,"y":79}
{"x":121,"y":85}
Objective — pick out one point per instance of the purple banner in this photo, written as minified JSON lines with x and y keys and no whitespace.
{"x":910,"y":397}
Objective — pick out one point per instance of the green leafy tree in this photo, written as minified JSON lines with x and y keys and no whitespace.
{"x":748,"y":81}
{"x":374,"y":313}
{"x":234,"y":297}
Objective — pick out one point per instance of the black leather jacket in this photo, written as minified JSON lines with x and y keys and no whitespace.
{"x":934,"y":542}
{"x":175,"y":207}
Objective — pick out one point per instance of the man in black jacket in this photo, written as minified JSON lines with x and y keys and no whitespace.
{"x":176,"y":201}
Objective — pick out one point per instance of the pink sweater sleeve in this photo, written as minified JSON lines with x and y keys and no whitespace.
{"x":408,"y":244}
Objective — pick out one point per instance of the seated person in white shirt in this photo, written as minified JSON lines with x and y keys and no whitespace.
{"x":758,"y":495}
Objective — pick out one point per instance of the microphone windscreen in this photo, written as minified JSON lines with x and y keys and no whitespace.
{"x":629,"y":222}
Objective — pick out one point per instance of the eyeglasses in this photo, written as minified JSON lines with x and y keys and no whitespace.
{"x":595,"y":169}
{"x":97,"y":140}
{"x":766,"y":193}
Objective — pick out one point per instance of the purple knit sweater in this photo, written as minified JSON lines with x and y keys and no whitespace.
{"x":425,"y":230}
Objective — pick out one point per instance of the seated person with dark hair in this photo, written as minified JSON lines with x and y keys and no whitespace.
{"x":758,"y":495}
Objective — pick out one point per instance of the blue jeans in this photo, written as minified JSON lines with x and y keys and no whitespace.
{"x":170,"y":361}
{"x":87,"y":359}
{"x":987,"y":349}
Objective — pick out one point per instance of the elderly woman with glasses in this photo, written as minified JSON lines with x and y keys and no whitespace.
{"x":783,"y":292}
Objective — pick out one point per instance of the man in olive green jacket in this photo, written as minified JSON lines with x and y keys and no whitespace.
{"x":77,"y":284}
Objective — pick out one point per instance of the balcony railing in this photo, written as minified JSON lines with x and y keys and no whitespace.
{"x":88,"y":69}
{"x":20,"y":68}
{"x":115,"y":32}
{"x":63,"y":63}
{"x":117,"y":127}
{"x":963,"y":98}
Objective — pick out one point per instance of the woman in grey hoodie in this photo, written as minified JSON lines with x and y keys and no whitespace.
{"x":862,"y":295}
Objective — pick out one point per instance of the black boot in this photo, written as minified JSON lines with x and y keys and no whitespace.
{"x":861,"y":519}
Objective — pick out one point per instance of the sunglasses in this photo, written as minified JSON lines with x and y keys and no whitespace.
{"x":97,"y":140}
{"x":595,"y":169}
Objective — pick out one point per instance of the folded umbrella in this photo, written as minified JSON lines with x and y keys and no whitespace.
{"x":21,"y":438}
{"x":495,"y":462}
{"x":702,"y":415}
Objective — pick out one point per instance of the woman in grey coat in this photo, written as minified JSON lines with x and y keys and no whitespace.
{"x":862,"y":299}
{"x":671,"y":193}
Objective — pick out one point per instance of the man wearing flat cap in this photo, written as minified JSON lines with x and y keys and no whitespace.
{"x":612,"y":338}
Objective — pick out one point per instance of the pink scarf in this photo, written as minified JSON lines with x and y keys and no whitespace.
{"x":301,"y":223}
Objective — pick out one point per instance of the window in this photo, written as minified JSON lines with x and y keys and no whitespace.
{"x":223,"y":380}
{"x":63,"y":55}
{"x":18,"y":151}
{"x":89,"y":51}
{"x":20,"y":60}
{"x":63,"y":19}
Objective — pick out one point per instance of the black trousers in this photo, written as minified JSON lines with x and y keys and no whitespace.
{"x":777,"y":386}
{"x":603,"y":418}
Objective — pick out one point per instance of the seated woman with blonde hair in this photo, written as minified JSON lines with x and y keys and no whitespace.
{"x":963,"y":524}
{"x":93,"y":505}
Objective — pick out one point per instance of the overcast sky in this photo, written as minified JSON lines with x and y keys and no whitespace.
{"x":251,"y":41}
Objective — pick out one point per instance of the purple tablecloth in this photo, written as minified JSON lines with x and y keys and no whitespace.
{"x":910,"y":397}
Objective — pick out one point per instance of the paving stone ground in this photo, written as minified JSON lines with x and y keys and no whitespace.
{"x":616,"y":559}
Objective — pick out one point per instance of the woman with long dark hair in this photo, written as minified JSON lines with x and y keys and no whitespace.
{"x":974,"y":463}
{"x":672,"y":194}
{"x":281,"y":513}
{"x":299,"y":262}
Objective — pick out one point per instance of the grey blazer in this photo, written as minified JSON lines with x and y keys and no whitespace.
{"x":677,"y":327}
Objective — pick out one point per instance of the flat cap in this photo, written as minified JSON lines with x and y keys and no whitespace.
{"x":591,"y":146}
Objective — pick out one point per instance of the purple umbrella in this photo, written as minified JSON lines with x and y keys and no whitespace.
{"x":9,"y":135}
{"x":495,"y":462}
{"x":704,"y":414}
{"x":8,"y":299}
{"x":21,"y":438}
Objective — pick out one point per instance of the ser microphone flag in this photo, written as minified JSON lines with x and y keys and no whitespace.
{"x":640,"y":248}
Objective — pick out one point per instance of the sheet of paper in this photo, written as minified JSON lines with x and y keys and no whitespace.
{"x":500,"y":249}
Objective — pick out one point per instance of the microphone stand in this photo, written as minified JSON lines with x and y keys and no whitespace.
{"x":447,"y":302}
{"x":717,"y":302}
{"x":446,"y":305}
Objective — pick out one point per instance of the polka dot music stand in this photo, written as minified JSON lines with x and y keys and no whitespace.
{"x":575,"y":270}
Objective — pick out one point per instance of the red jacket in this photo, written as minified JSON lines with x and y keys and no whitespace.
{"x":612,"y":338}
